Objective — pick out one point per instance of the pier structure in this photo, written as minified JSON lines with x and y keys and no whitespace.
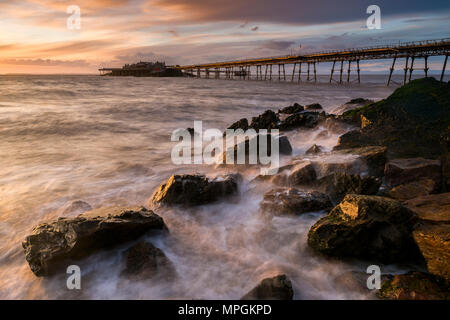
{"x":343,"y":63}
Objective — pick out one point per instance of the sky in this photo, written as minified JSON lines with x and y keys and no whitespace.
{"x":35,"y":36}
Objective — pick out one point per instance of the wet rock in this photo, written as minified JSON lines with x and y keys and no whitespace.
{"x":412,"y":190}
{"x":195,"y":189}
{"x":314,"y":149}
{"x":241,"y":124}
{"x":276,"y":288}
{"x":373,"y":156}
{"x":51,"y":246}
{"x":77,"y":207}
{"x":267,"y":120}
{"x":366,"y":227}
{"x":300,"y":120}
{"x":296,"y":108}
{"x":356,"y":281}
{"x":445,"y":160}
{"x":284,"y":145}
{"x":302,"y":174}
{"x":314,"y":106}
{"x":145,"y":261}
{"x":338,"y":185}
{"x":432,"y":208}
{"x":414,"y":286}
{"x":401,"y":171}
{"x":291,"y":201}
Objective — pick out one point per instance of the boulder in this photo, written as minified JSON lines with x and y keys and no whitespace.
{"x":241,"y":124}
{"x":314,"y":106}
{"x":300,"y":120}
{"x":145,"y":261}
{"x":412,"y":190}
{"x":352,"y":104}
{"x":195,"y":189}
{"x":433,"y":208}
{"x":52,"y":245}
{"x":77,"y":207}
{"x":338,"y":185}
{"x":373,"y":156}
{"x":267,"y":120}
{"x":401,"y":171}
{"x":302,"y":174}
{"x":314,"y":149}
{"x":366,"y":227}
{"x":414,"y":286}
{"x":296,"y":108}
{"x":276,"y":288}
{"x":291,"y":201}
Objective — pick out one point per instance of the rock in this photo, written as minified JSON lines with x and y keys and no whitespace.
{"x":445,"y":160}
{"x":276,"y":288}
{"x":338,"y":185}
{"x":402,"y":171}
{"x":302,"y":174}
{"x":77,"y":207}
{"x":433,"y":208}
{"x":412,"y":190}
{"x":356,"y":281}
{"x":284,"y":145}
{"x":51,"y":245}
{"x":241,"y":124}
{"x":145,"y":261}
{"x":314,"y":106}
{"x":267,"y":120}
{"x":373,"y":156}
{"x":366,"y":227}
{"x":409,"y":122}
{"x":314,"y":149}
{"x":195,"y":189}
{"x":291,"y":201}
{"x":296,"y":108}
{"x":414,"y":286}
{"x":433,"y":241}
{"x":300,"y":120}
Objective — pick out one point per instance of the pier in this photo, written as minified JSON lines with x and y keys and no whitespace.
{"x":343,"y":63}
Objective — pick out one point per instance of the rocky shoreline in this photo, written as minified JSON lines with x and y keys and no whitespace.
{"x":388,"y":202}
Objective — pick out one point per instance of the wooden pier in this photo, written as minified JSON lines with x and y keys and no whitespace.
{"x":343,"y":63}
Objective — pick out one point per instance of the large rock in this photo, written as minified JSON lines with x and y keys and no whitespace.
{"x":195,"y":189}
{"x":302,"y":173}
{"x":267,"y":120}
{"x":409,"y":122}
{"x":401,"y":171}
{"x":366,"y":227}
{"x":373,"y":156}
{"x":414,"y":286}
{"x":296,"y":108}
{"x":352,"y":104}
{"x":338,"y":185}
{"x":314,"y":149}
{"x":300,"y":120}
{"x":412,"y":190}
{"x":276,"y":288}
{"x":434,"y":208}
{"x":314,"y":106}
{"x":290,"y":201}
{"x":145,"y":261}
{"x":53,"y":245}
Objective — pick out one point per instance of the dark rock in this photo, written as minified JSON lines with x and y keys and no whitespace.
{"x":433,"y":208}
{"x":276,"y":288}
{"x":284,"y":145}
{"x":314,"y":106}
{"x":338,"y":185}
{"x":52,"y":244}
{"x":409,"y":122}
{"x":195,"y":189}
{"x":300,"y":120}
{"x":314,"y":149}
{"x":359,"y":101}
{"x":411,"y":190}
{"x":241,"y":124}
{"x":414,"y":286}
{"x":374,"y":157}
{"x":77,"y":207}
{"x":296,"y":108}
{"x":144,"y":261}
{"x":291,"y":201}
{"x":366,"y":227}
{"x":401,"y":171}
{"x":302,"y":174}
{"x":267,"y":120}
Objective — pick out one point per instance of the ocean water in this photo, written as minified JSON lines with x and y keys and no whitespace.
{"x":106,"y":141}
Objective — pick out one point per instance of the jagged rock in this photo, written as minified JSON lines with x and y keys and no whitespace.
{"x":296,"y":108}
{"x":284,"y":145}
{"x":52,"y":244}
{"x":401,"y":171}
{"x":366,"y":227}
{"x":314,"y":106}
{"x":291,"y":201}
{"x":314,"y":149}
{"x":409,"y":122}
{"x":414,"y":286}
{"x":302,"y":174}
{"x":77,"y":207}
{"x":412,"y":190}
{"x":144,"y":261}
{"x":373,"y":156}
{"x":195,"y":189}
{"x":276,"y":288}
{"x":267,"y":120}
{"x":299,"y":120}
{"x":241,"y":124}
{"x":338,"y":185}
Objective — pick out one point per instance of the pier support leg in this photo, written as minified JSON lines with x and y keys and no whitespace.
{"x":307,"y":78}
{"x":358,"y":69}
{"x":391,"y":70}
{"x":279,"y":72}
{"x":293,"y":72}
{"x":265,"y":73}
{"x":332,"y":71}
{"x":284,"y":73}
{"x":405,"y":70}
{"x":300,"y":72}
{"x":315,"y":74}
{"x":426,"y":66}
{"x":443,"y":68}
{"x":411,"y":69}
{"x":342,"y":70}
{"x":348,"y":71}
{"x":270,"y":76}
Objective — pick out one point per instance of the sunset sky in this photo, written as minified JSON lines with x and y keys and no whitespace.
{"x":34,"y":37}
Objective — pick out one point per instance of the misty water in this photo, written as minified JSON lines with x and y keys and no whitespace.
{"x":106,"y":141}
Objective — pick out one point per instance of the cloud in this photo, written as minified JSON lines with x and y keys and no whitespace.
{"x":46,"y":62}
